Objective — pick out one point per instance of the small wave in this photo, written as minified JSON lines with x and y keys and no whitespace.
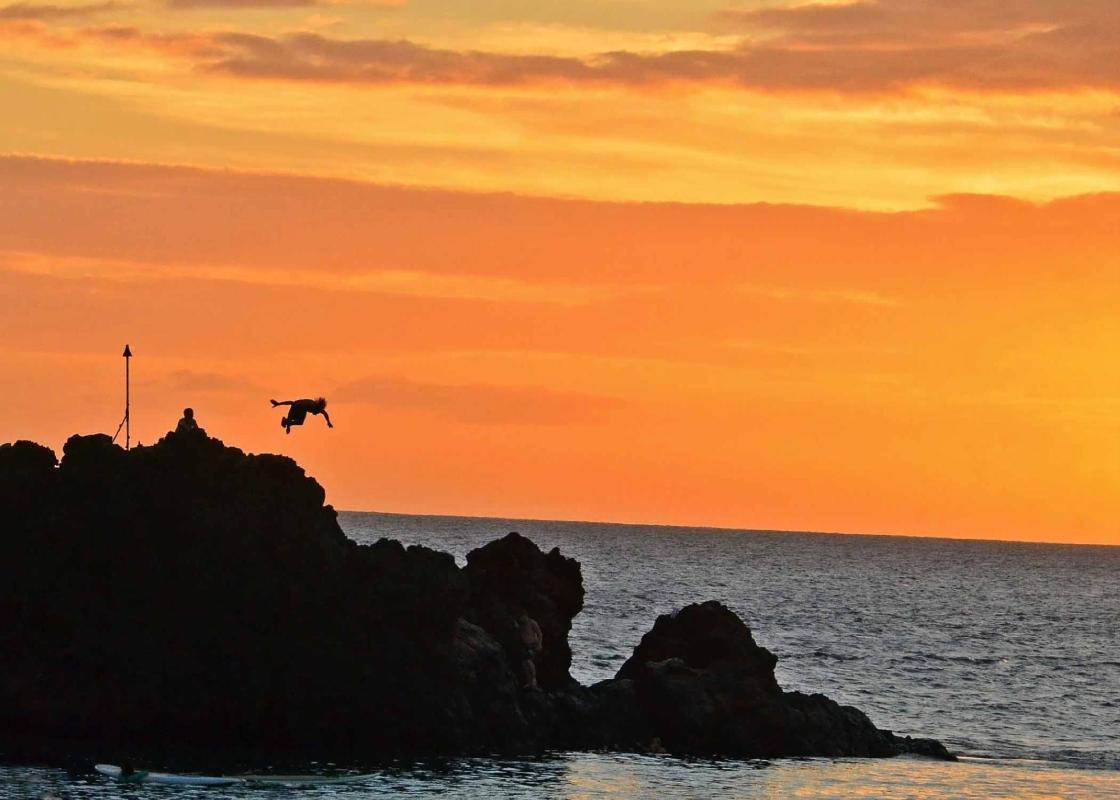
{"x":821,"y":654}
{"x":1083,"y":759}
{"x":977,"y":660}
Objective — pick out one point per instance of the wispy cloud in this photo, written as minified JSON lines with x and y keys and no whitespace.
{"x":47,"y":11}
{"x":815,"y":349}
{"x":859,"y":47}
{"x":133,"y":220}
{"x":201,"y":381}
{"x":234,"y":5}
{"x":241,"y":4}
{"x":821,"y":295}
{"x":400,"y":282}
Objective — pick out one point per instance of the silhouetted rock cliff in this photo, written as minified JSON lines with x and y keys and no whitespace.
{"x":190,"y":595}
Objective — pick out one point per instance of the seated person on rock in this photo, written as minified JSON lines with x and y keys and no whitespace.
{"x":529,"y":643}
{"x":299,"y":411}
{"x":187,"y":424}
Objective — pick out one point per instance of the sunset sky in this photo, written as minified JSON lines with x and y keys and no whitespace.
{"x":833,"y":266}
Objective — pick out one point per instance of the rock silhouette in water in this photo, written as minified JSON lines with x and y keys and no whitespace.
{"x":189,"y":595}
{"x":511,"y":575}
{"x":702,"y":685}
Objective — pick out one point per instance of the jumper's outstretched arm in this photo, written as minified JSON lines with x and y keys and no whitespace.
{"x":281,"y":402}
{"x":327,"y":417}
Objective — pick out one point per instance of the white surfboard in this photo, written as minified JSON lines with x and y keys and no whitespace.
{"x":140,"y":776}
{"x":292,"y":781}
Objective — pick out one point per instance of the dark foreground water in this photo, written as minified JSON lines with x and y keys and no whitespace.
{"x":1009,"y":653}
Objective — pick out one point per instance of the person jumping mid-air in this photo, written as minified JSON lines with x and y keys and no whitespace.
{"x":299,"y":411}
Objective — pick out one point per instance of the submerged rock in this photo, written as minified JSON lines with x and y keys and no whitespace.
{"x":189,"y":595}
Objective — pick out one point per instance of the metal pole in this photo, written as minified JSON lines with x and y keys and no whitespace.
{"x":127,"y":398}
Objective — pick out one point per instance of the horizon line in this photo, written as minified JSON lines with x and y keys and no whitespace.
{"x":730,"y":529}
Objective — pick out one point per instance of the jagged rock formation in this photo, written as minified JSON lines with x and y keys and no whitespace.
{"x":700,"y":684}
{"x":511,"y":575}
{"x":188,"y":595}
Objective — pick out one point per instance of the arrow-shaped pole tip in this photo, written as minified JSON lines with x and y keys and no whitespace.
{"x":127,"y":353}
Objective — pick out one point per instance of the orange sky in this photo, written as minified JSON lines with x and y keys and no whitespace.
{"x":844,"y":267}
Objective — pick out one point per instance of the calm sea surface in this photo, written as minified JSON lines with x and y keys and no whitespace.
{"x":1009,"y":653}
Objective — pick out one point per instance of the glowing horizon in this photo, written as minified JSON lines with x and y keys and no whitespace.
{"x":846,"y":267}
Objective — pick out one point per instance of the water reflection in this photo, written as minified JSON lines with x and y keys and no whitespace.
{"x":580,"y":776}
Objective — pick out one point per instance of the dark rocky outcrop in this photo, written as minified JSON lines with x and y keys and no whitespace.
{"x":190,"y":592}
{"x":512,"y":575}
{"x":701,"y":685}
{"x":702,"y":636}
{"x":189,"y":595}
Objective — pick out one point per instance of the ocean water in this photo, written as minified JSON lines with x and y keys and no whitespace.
{"x":1009,"y":653}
